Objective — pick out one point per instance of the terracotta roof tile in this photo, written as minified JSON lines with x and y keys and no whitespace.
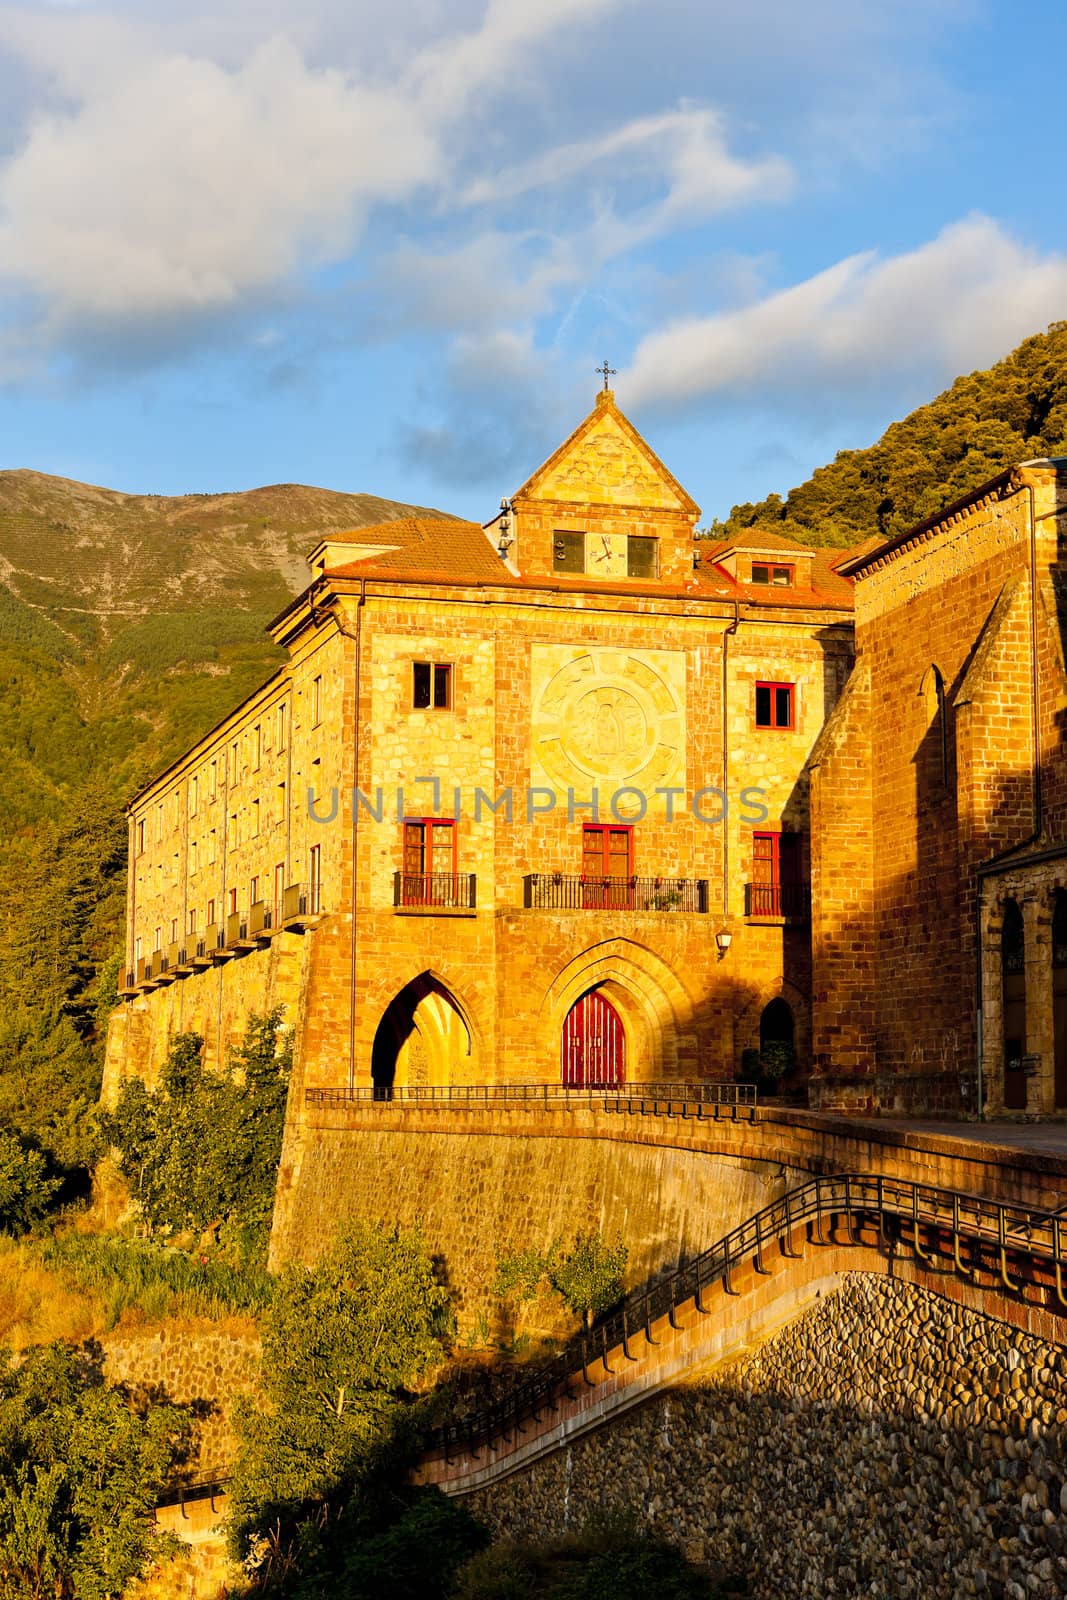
{"x":422,"y":545}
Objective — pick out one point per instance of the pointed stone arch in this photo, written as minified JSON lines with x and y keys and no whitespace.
{"x":657,"y":1010}
{"x":747,"y":1024}
{"x":423,"y":1037}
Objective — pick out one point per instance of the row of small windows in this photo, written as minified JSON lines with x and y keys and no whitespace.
{"x":431,"y":689}
{"x":259,"y":888}
{"x":206,"y":784}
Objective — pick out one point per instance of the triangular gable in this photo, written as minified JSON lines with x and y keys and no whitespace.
{"x":607,"y":462}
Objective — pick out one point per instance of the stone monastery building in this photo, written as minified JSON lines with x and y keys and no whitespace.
{"x":576,"y":797}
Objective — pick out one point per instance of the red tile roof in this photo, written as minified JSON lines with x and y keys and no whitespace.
{"x":422,"y":545}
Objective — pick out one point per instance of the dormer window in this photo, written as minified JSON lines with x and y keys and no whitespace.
{"x":779,"y":577}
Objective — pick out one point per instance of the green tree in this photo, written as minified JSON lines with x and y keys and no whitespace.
{"x":80,"y":1470}
{"x":985,"y":422}
{"x":26,"y":1189}
{"x":202,"y":1151}
{"x":590,"y":1275}
{"x":345,"y":1343}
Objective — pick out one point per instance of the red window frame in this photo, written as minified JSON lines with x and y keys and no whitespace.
{"x":774,"y":689}
{"x":603,"y":889}
{"x":417,"y":881}
{"x":771,"y":568}
{"x":774,"y":870}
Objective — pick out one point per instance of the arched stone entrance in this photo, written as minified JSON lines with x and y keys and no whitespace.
{"x":657,"y":1013}
{"x":593,"y":1046}
{"x":1013,"y":981}
{"x":422,"y":1039}
{"x":776,"y":1027}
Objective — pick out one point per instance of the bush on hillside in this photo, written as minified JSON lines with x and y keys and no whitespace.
{"x":27,"y":1190}
{"x":588,"y":1277}
{"x":81,"y":1468}
{"x":345,"y":1345}
{"x":202,"y":1152}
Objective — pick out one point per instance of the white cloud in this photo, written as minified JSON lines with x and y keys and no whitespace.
{"x":958,"y":302}
{"x":189,"y":186}
{"x":686,"y":147}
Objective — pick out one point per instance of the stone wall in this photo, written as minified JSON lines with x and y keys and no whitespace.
{"x":207,"y":1364}
{"x":478,"y":1196}
{"x":888,"y":1443}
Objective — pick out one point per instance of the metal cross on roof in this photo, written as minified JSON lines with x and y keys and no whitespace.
{"x":609,"y":372}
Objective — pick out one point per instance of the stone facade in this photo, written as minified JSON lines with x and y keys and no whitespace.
{"x":887,"y":1443}
{"x":484,"y":712}
{"x":938,"y":797}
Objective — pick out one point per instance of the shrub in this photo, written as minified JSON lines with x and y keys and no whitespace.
{"x":80,"y":1471}
{"x":588,"y":1277}
{"x":202,"y":1152}
{"x":344,"y":1344}
{"x":26,"y":1190}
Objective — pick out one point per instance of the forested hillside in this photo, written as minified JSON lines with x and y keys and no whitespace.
{"x":985,"y":422}
{"x":128,"y":625}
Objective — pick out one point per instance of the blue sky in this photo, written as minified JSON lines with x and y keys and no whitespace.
{"x":384,"y":247}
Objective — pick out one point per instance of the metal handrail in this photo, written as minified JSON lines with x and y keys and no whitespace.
{"x":664,"y":1099}
{"x":902,"y":1210}
{"x":201,"y":1486}
{"x":987,"y":1226}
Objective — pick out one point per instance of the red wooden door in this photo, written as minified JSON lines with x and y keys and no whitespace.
{"x":594,"y":1045}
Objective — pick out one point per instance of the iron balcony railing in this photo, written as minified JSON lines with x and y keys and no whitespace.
{"x":966,"y":1233}
{"x":444,"y":891}
{"x":637,"y":1099}
{"x":789,"y":900}
{"x":559,"y":891}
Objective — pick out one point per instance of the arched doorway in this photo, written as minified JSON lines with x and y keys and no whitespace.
{"x":1013,"y":980}
{"x":593,"y":1053}
{"x":777,"y":1038}
{"x":1059,"y":997}
{"x":422,"y":1039}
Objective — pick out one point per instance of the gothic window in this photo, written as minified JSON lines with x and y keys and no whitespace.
{"x":936,"y":711}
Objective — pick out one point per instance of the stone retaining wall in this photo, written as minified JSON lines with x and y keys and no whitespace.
{"x":888,"y":1443}
{"x":479,"y":1195}
{"x":193,"y":1361}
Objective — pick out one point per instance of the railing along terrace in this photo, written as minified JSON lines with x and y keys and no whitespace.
{"x":639,"y":1099}
{"x":559,"y":891}
{"x":446,"y":891}
{"x":790,"y":900}
{"x":968,"y":1233}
